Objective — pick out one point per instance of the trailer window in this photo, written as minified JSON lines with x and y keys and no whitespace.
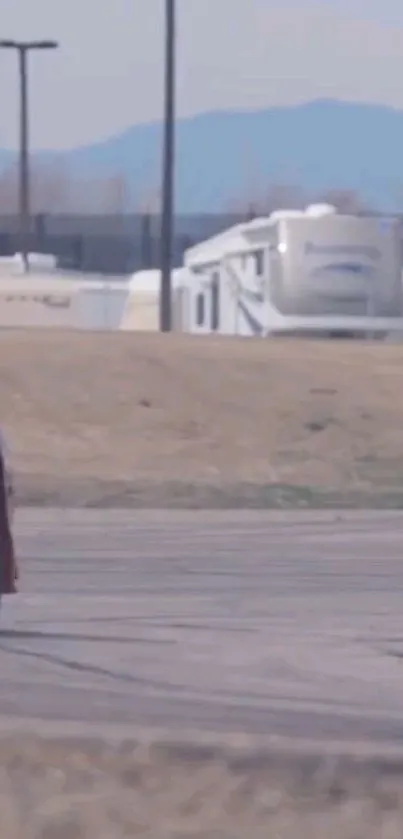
{"x":200,"y":309}
{"x":215,"y":302}
{"x":259,"y":263}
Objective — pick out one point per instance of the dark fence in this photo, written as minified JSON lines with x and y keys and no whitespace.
{"x":114,"y":244}
{"x":108,"y":244}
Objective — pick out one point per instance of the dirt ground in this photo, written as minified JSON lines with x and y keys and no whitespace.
{"x":77,"y":789}
{"x":154,"y":420}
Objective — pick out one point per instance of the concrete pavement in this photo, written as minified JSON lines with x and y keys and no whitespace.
{"x":266,"y":623}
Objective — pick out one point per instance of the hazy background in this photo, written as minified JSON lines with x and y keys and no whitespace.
{"x":232,"y":54}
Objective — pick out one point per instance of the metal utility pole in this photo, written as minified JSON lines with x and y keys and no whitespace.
{"x":168,"y":170}
{"x":23,"y":48}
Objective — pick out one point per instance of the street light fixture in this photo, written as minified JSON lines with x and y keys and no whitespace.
{"x":168,"y":167}
{"x":23,"y":48}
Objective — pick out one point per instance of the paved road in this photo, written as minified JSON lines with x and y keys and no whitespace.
{"x":268,"y":623}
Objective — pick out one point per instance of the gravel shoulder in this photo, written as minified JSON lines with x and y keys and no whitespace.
{"x":81,"y":787}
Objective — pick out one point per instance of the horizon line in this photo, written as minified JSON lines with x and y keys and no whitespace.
{"x":216,"y":112}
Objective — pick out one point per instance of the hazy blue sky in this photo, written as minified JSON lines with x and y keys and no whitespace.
{"x":232,"y":54}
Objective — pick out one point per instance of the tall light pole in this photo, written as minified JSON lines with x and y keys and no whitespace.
{"x":22,"y":49}
{"x":168,"y":169}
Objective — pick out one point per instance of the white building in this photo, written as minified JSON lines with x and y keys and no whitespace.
{"x":141,"y":312}
{"x":297,"y":272}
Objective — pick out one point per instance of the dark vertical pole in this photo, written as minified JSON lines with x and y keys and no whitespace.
{"x":168,"y":170}
{"x":24,"y":208}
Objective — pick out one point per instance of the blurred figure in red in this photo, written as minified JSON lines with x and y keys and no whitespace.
{"x":8,"y":565}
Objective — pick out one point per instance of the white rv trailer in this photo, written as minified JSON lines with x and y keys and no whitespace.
{"x":80,"y":301}
{"x":59,"y":301}
{"x":312,"y":272}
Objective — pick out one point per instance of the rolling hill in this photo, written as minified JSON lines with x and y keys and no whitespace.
{"x":227,"y":156}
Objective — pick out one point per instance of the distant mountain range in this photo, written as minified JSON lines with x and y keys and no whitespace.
{"x":230,"y":157}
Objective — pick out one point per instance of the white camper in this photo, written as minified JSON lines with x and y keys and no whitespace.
{"x":59,"y":301}
{"x":37,"y":301}
{"x":298,"y":272}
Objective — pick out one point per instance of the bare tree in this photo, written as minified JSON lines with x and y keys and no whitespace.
{"x":285,"y":197}
{"x":9,"y":190}
{"x":150,"y":201}
{"x":117,"y":196}
{"x":275,"y":197}
{"x":51,"y":186}
{"x":293,"y":197}
{"x":345,"y":200}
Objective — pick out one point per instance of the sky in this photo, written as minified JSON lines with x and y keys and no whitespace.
{"x":232,"y":54}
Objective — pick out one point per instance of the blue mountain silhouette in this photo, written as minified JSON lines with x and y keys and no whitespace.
{"x":320,"y":145}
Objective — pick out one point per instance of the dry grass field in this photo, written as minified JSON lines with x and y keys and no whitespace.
{"x":147,"y":419}
{"x":77,"y":789}
{"x":154,"y":420}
